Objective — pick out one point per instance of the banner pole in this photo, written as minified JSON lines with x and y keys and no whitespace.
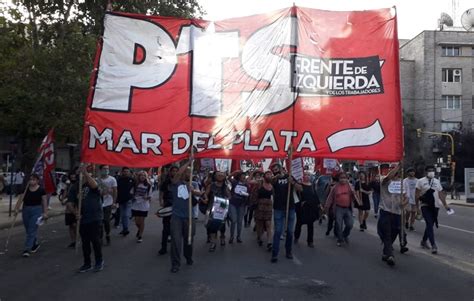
{"x":79,"y":206}
{"x":403,"y":241}
{"x":190,"y":205}
{"x":290,"y":157}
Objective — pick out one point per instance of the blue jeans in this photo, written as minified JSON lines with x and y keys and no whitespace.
{"x":279,"y":220}
{"x":125,"y":213}
{"x":376,"y":198}
{"x":343,"y":215}
{"x":30,"y":215}
{"x":236,"y":218}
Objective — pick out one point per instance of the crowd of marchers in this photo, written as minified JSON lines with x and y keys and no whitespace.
{"x":271,"y":202}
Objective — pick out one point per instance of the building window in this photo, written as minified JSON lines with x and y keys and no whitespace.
{"x":451,"y":75}
{"x":450,"y":126}
{"x":452,"y":102}
{"x":451,"y":51}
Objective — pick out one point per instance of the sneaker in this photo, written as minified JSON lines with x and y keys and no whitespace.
{"x":311,"y":245}
{"x":361,"y":228}
{"x":412,"y":228}
{"x":162,"y":251}
{"x":139,"y":239}
{"x":71,"y":245}
{"x":346,"y":240}
{"x":174,"y":270}
{"x":99,"y":266}
{"x":434,"y":250}
{"x":260,"y":243}
{"x":125,"y":233}
{"x":274,"y":260}
{"x":424,"y":245}
{"x":26,"y":254}
{"x":231,"y":240}
{"x":85,"y":268}
{"x":189,"y":261}
{"x":403,"y":250}
{"x":289,"y":255}
{"x":35,"y":248}
{"x":339,"y":243}
{"x":269,"y":247}
{"x":384,"y":258}
{"x":390,"y":260}
{"x":239,"y":240}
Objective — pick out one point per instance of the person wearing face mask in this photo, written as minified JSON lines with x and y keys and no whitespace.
{"x":34,"y":207}
{"x":341,"y":198}
{"x":429,"y":194}
{"x":409,"y":184}
{"x":391,"y":206}
{"x":108,"y":188}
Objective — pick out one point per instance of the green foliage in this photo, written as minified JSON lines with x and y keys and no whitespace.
{"x":47,"y":50}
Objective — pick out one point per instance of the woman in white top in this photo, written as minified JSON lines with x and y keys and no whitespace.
{"x":141,"y":202}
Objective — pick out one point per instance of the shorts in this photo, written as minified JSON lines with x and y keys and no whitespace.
{"x":365,"y":205}
{"x":70,"y":219}
{"x":139,"y":213}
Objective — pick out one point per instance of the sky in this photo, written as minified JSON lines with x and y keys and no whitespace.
{"x":414,"y":16}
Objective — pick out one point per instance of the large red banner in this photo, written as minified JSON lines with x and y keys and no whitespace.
{"x":324,"y":83}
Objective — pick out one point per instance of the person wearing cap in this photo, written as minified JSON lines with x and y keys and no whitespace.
{"x":391,"y":206}
{"x":429,"y":194}
{"x":409,"y":185}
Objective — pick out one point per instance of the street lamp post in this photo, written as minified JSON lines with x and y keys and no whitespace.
{"x":451,"y":139}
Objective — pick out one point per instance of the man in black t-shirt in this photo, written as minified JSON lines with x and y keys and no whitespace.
{"x":280,"y":187}
{"x":125,"y":192}
{"x":90,"y":218}
{"x":166,"y":198}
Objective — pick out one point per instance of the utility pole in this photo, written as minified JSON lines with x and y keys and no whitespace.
{"x":451,"y":161}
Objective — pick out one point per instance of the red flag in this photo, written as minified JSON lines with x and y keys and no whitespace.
{"x":46,"y":162}
{"x":325,"y":82}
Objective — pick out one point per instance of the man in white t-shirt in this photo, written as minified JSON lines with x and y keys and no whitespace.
{"x":108,"y":188}
{"x":409,"y":184}
{"x":429,"y":194}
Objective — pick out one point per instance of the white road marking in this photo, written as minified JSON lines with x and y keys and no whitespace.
{"x":458,"y":229}
{"x":454,"y":228}
{"x":296,"y":260}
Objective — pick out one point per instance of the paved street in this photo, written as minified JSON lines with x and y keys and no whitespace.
{"x":243,"y":271}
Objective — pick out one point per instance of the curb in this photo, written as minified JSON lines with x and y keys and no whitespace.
{"x":462,"y":205}
{"x":19,"y":222}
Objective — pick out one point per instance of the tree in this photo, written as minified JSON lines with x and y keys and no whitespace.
{"x":47,"y":50}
